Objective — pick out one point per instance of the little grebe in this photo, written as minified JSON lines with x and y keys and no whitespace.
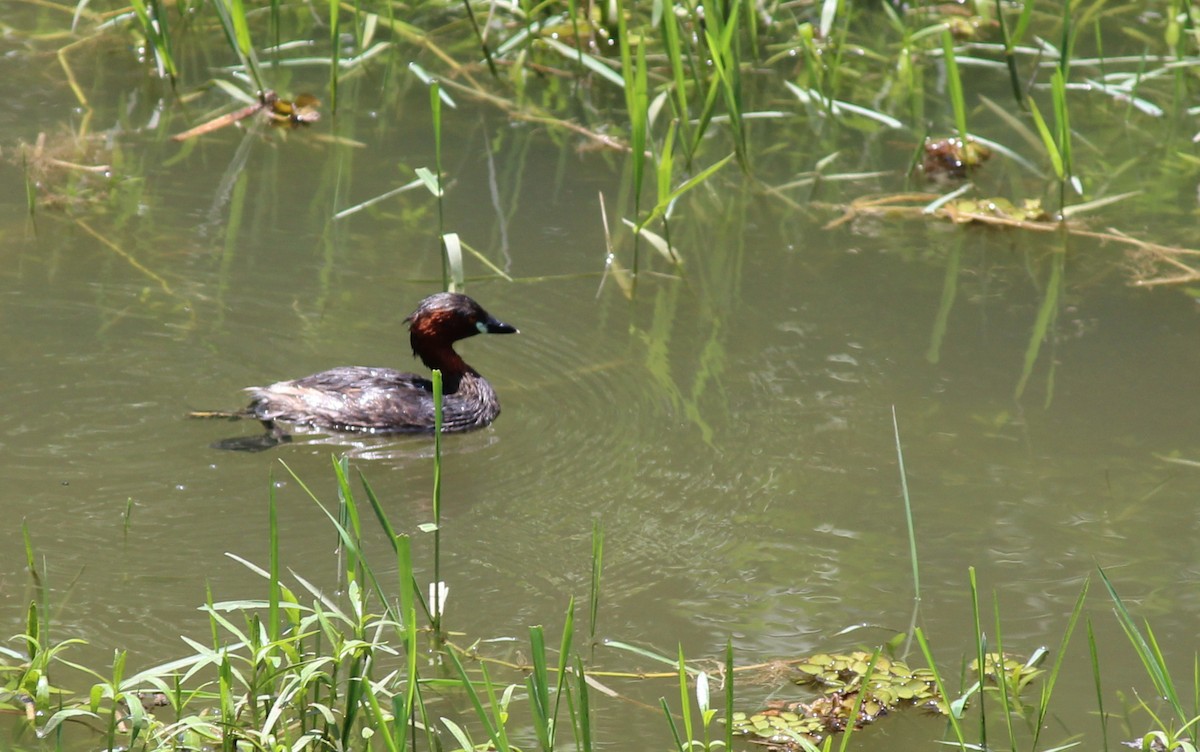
{"x":380,"y":400}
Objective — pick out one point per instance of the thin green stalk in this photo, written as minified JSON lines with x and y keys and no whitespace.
{"x":351,"y":541}
{"x":981,"y":651}
{"x":582,"y":716}
{"x":349,"y":520}
{"x":720,"y":33}
{"x":955,"y":723}
{"x":539,"y":690}
{"x":670,"y":33}
{"x":227,"y":704}
{"x":955,"y":87}
{"x":597,"y":569}
{"x":435,"y":107}
{"x":118,"y":671}
{"x":1008,"y":694}
{"x":728,"y":693}
{"x":908,"y":515}
{"x":39,"y":583}
{"x":858,"y":700}
{"x":274,"y":29}
{"x":127,"y":517}
{"x":406,"y":581}
{"x":1062,"y":119}
{"x":564,"y":650}
{"x":30,"y":186}
{"x":395,"y":539}
{"x":232,"y":15}
{"x":452,"y":248}
{"x":637,"y":105}
{"x":1060,"y":656}
{"x":274,"y":626}
{"x":1094,"y":655}
{"x":573,"y":12}
{"x":356,"y":684}
{"x":436,"y":598}
{"x":495,"y":723}
{"x":679,"y":743}
{"x":335,"y":45}
{"x":685,"y":702}
{"x":1147,"y":651}
{"x":487,"y":53}
{"x":1010,"y":40}
{"x":378,"y":721}
{"x":154,"y":27}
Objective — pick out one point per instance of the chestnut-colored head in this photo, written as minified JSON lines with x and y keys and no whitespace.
{"x":442,"y":319}
{"x":451,"y":316}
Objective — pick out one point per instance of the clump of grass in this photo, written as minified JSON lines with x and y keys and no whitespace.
{"x":153,"y":20}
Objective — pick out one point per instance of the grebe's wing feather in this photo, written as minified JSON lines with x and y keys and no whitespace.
{"x":351,"y":397}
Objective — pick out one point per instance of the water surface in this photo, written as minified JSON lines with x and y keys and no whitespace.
{"x":730,"y":426}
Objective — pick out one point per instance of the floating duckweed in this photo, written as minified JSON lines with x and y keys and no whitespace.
{"x":839,"y":678}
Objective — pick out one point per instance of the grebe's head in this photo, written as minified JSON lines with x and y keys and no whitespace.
{"x":450,"y":316}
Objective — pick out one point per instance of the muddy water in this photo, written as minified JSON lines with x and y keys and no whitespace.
{"x":730,"y":427}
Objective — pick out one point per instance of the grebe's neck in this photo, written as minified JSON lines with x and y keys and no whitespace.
{"x":436,"y":355}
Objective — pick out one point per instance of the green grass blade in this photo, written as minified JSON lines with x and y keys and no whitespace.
{"x":981,"y":650}
{"x":452,"y":247}
{"x":583,"y":717}
{"x":1150,"y":657}
{"x":954,"y":85}
{"x":232,"y":15}
{"x":435,"y":108}
{"x":1010,"y":58}
{"x":679,"y":84}
{"x":908,"y":515}
{"x":665,"y":202}
{"x":436,"y":604}
{"x":679,"y":744}
{"x":1048,"y":140}
{"x":564,"y":650}
{"x":729,"y":675}
{"x":685,"y":699}
{"x":637,"y":104}
{"x":955,"y":723}
{"x":1008,"y":692}
{"x":539,"y":690}
{"x":594,"y":64}
{"x":1062,"y":118}
{"x":335,"y":45}
{"x":274,"y":624}
{"x":1094,"y":656}
{"x":844,"y":744}
{"x":597,"y":570}
{"x":483,"y":46}
{"x":495,"y":731}
{"x":396,"y":540}
{"x":1052,"y":678}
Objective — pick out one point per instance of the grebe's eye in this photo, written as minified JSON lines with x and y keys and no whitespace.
{"x":482,"y":327}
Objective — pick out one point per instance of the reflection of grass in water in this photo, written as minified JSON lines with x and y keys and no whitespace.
{"x":683,"y":69}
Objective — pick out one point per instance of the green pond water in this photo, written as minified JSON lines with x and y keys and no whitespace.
{"x":730,"y":427}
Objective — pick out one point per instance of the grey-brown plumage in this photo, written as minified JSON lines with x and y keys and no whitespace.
{"x":381,"y":400}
